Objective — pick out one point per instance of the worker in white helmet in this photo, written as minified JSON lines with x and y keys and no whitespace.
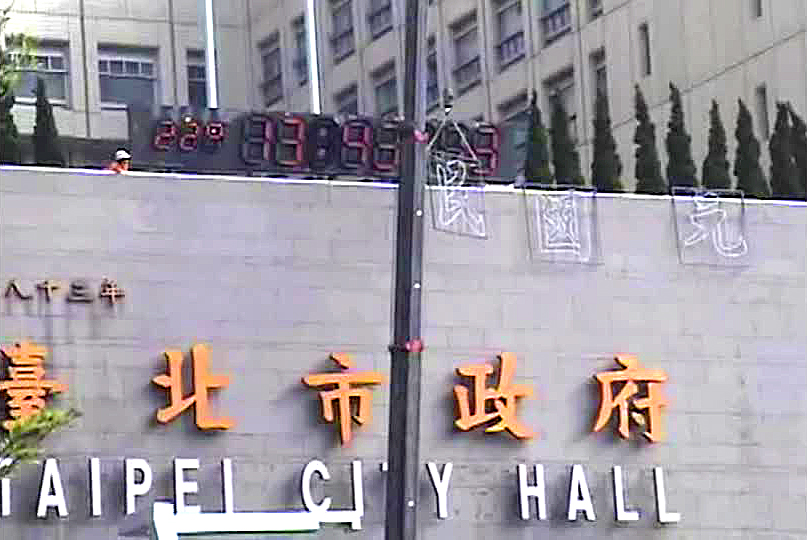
{"x":122,"y":161}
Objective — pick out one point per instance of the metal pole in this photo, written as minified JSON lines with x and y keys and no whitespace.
{"x":404,"y":412}
{"x":210,"y":54}
{"x":313,"y":58}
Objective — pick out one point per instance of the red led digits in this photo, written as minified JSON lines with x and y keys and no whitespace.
{"x":452,"y":141}
{"x":259,"y":137}
{"x":189,"y":138}
{"x":166,"y":136}
{"x":486,"y":148}
{"x":214,"y":133}
{"x":386,"y":150}
{"x":289,"y":150}
{"x":356,"y":146}
{"x":323,"y":138}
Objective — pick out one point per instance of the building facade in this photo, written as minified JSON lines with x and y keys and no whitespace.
{"x":297,"y":274}
{"x":100,"y":55}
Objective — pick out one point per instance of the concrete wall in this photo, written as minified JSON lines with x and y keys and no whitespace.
{"x":275,"y":276}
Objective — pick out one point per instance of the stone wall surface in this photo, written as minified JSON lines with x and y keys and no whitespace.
{"x":276,"y":276}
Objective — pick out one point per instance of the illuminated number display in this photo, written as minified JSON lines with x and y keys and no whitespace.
{"x":166,"y":135}
{"x":189,"y":135}
{"x":259,"y":138}
{"x":485,"y":143}
{"x":283,"y":143}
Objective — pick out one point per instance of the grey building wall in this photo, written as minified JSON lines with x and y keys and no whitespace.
{"x":275,"y":276}
{"x":755,"y":50}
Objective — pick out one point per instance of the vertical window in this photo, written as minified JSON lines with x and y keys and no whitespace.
{"x":556,"y":19}
{"x":197,"y":76}
{"x":511,"y":31}
{"x":644,"y":49}
{"x":49,"y":64}
{"x":272,"y":85}
{"x":599,"y":73}
{"x":468,"y":70}
{"x":386,"y":90}
{"x":761,"y":95}
{"x":561,"y":87}
{"x":347,"y":100}
{"x":594,"y":8}
{"x":342,"y":40}
{"x":127,"y":76}
{"x":432,"y":85}
{"x":756,"y":8}
{"x":300,"y":62}
{"x":379,"y":17}
{"x":515,"y":112}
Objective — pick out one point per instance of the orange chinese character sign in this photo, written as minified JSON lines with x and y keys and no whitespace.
{"x":627,"y":400}
{"x":502,"y":399}
{"x":26,"y":387}
{"x":202,"y":382}
{"x":343,"y":393}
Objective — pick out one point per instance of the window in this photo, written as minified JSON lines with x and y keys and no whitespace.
{"x":561,"y":87}
{"x":347,"y":100}
{"x":515,"y":112}
{"x":468,"y":70}
{"x":595,"y":8}
{"x":49,"y":64}
{"x":599,"y":73}
{"x":756,"y":7}
{"x":511,"y":32}
{"x":644,"y":49}
{"x":556,"y":19}
{"x":300,"y":62}
{"x":761,"y":96}
{"x":379,"y":17}
{"x":127,"y":76}
{"x":197,"y":76}
{"x":432,"y":84}
{"x":272,"y":85}
{"x":386,"y":90}
{"x":342,"y":38}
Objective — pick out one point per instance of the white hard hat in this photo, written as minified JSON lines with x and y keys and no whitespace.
{"x":120,"y":155}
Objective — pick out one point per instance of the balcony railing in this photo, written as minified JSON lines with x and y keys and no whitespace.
{"x":511,"y":49}
{"x":343,"y":44}
{"x":380,"y":20}
{"x":468,"y":74}
{"x":555,"y":23}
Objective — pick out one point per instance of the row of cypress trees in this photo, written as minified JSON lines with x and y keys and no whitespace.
{"x":47,"y":148}
{"x":787,"y":146}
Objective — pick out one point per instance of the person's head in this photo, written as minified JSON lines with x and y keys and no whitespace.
{"x":123,"y":158}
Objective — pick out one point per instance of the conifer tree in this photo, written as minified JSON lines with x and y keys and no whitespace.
{"x":9,"y":136}
{"x":799,"y":146}
{"x":648,"y":168}
{"x":750,"y":178}
{"x":785,"y":181}
{"x":536,"y":163}
{"x":47,"y":150}
{"x":716,"y":165}
{"x":606,"y":167}
{"x":10,"y":151}
{"x":565,"y":158}
{"x":681,"y":169}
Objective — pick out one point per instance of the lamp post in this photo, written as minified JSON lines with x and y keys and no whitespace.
{"x":405,"y":350}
